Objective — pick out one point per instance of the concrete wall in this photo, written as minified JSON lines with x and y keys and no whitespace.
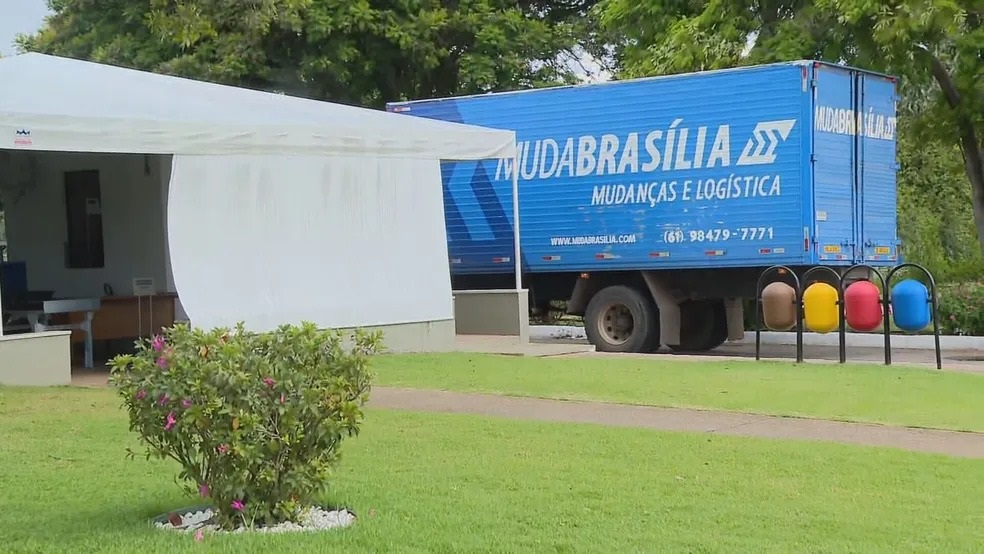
{"x":492,"y":312}
{"x":133,"y":223}
{"x":428,"y":336}
{"x":36,"y":359}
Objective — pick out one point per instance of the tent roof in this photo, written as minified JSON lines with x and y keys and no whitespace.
{"x":61,"y":104}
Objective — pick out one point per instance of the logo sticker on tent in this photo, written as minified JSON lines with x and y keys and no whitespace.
{"x":22,"y":137}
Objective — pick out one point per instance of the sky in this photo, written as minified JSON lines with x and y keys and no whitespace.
{"x":19,"y":16}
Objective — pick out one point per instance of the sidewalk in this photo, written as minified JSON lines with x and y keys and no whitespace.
{"x":950,"y":443}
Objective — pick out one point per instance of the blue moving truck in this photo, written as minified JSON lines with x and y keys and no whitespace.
{"x":650,"y":206}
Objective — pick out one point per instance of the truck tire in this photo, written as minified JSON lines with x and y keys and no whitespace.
{"x":703,"y":326}
{"x":622,"y":319}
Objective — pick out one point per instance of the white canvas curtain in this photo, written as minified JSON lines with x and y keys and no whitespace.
{"x":339,"y":241}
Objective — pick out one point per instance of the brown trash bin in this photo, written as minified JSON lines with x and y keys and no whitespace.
{"x":779,"y":309}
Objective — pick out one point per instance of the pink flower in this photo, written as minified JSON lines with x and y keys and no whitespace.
{"x":162,"y":362}
{"x":283,"y":398}
{"x":203,"y":490}
{"x":269,"y":382}
{"x":170,"y":421}
{"x":141,"y":394}
{"x":163,"y":400}
{"x":186,"y":403}
{"x":238,"y":505}
{"x":223,"y":448}
{"x":199,"y":535}
{"x":158,"y":343}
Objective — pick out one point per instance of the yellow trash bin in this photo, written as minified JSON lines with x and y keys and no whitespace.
{"x":821,"y":312}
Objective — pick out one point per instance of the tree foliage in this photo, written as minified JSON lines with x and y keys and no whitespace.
{"x":363,"y":52}
{"x":935,"y":217}
{"x":937,"y":46}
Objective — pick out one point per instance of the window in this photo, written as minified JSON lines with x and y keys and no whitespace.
{"x":83,"y":211}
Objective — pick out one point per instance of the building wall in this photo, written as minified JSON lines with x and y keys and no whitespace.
{"x":133,"y":222}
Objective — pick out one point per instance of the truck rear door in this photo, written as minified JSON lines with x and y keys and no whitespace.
{"x":835,"y":179}
{"x":854,"y":167}
{"x":876,"y":145}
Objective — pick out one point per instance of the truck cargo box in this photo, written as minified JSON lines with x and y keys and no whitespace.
{"x":789,"y":163}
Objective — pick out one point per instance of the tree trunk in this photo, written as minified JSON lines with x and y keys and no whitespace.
{"x":973,"y":152}
{"x":974,"y":164}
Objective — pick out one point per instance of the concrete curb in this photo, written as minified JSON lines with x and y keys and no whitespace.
{"x":543,"y":332}
{"x":862,"y":340}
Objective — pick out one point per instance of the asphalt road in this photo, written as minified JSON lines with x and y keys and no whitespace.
{"x":972,"y":360}
{"x":857,"y":354}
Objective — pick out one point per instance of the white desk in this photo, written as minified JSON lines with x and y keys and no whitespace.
{"x":38,"y":319}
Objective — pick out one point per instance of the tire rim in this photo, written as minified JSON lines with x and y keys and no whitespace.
{"x":616,"y":324}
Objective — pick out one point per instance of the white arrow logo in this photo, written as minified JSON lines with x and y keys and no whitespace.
{"x":765,"y":146}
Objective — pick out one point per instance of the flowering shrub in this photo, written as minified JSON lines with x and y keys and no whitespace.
{"x":254,"y":420}
{"x":962,"y":308}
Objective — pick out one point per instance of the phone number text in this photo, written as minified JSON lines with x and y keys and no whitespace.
{"x":675,"y":236}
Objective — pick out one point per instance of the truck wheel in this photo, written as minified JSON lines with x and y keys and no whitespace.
{"x":703,"y":326}
{"x":621,"y":319}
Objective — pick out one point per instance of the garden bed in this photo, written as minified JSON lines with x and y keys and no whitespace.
{"x":201,"y":519}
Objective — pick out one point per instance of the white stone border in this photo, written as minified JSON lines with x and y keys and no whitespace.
{"x":313,"y":519}
{"x":863,"y":340}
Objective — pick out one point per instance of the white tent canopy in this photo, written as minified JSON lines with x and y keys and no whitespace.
{"x":77,"y":106}
{"x":343,"y":199}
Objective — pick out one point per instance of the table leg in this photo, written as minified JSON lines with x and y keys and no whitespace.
{"x":87,"y":326}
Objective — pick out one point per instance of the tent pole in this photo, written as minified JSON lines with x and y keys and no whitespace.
{"x":515,"y":191}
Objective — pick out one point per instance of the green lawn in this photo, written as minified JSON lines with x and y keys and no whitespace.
{"x":443,"y":483}
{"x":863,"y":392}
